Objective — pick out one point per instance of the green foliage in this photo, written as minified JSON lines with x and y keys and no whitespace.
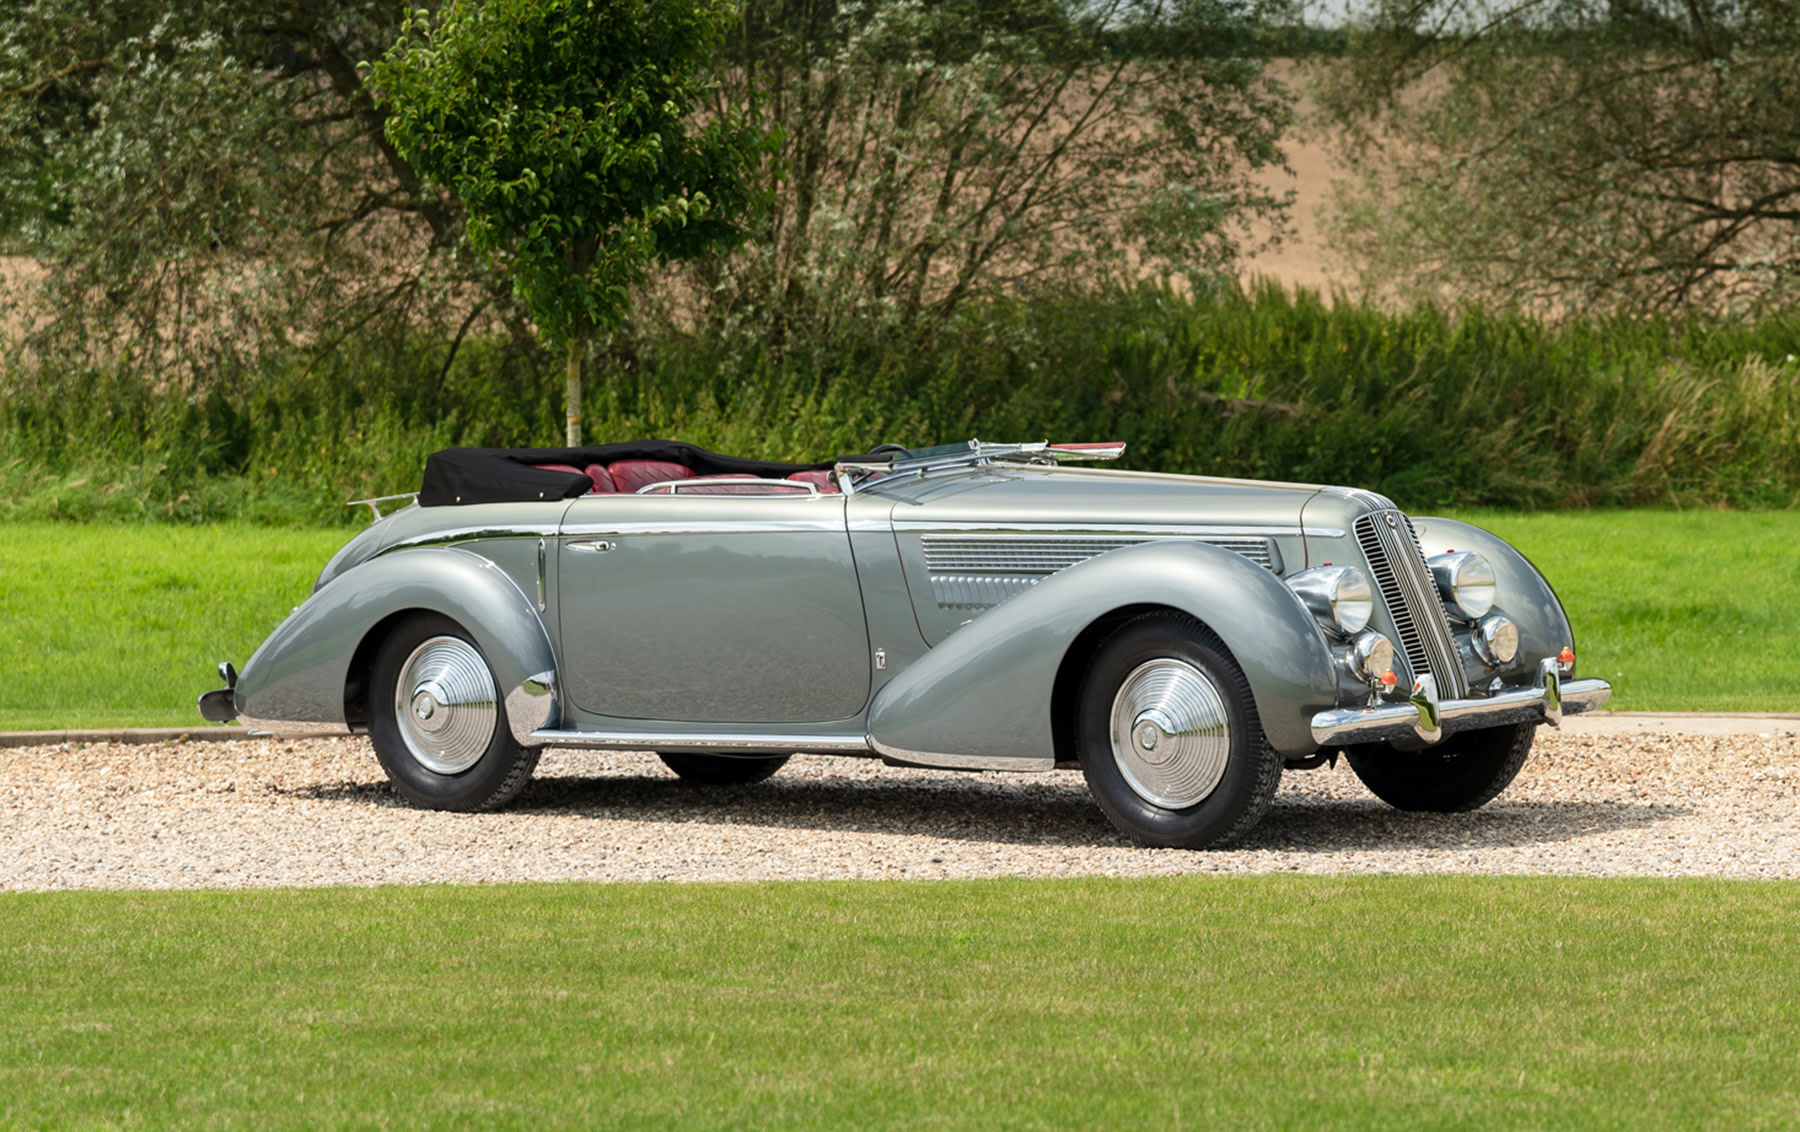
{"x":1434,"y":409}
{"x":204,"y":186}
{"x":564,"y":128}
{"x":937,"y":154}
{"x":1217,"y":1002}
{"x":1572,"y":156}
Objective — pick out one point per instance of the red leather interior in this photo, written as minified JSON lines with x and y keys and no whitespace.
{"x":631,"y":475}
{"x":603,"y":481}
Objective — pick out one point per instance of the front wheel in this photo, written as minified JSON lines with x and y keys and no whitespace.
{"x":438,"y":723}
{"x":1170,"y":741}
{"x":1464,"y":772}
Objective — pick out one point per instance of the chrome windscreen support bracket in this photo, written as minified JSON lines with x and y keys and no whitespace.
{"x":1424,"y":698}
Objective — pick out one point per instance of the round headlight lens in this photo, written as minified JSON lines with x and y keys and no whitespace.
{"x":1339,"y":596}
{"x":1373,"y":655}
{"x":1466,"y":581}
{"x":1497,"y":639}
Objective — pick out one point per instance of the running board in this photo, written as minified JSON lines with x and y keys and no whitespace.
{"x":719,"y":742}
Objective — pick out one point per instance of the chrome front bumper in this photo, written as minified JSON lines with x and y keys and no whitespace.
{"x":1426,"y":718}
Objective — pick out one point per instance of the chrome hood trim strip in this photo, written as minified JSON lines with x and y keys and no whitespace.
{"x":1162,"y":530}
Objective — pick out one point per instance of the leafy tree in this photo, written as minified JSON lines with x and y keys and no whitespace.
{"x":565,"y":129}
{"x":941,"y":152}
{"x":206,"y":184}
{"x":1574,"y":156}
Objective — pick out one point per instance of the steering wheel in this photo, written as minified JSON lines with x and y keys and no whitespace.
{"x":880,"y":448}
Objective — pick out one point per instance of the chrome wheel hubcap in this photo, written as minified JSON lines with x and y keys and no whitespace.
{"x":1171,"y":736}
{"x":446,"y":705}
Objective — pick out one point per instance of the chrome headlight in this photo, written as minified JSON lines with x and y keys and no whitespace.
{"x":1466,"y":580}
{"x":1496,"y":639}
{"x":1372,"y":656}
{"x":1339,"y":596}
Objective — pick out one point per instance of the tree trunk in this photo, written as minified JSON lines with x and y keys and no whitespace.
{"x":572,"y":390}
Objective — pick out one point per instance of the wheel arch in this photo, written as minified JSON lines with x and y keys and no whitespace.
{"x":995,"y":693}
{"x":313,"y":671}
{"x":1065,"y":693}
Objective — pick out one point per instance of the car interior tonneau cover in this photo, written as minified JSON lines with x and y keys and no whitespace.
{"x":518,"y":475}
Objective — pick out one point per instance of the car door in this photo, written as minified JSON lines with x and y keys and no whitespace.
{"x":715,"y":608}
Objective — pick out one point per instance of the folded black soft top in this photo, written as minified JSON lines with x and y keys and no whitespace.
{"x":509,"y":475}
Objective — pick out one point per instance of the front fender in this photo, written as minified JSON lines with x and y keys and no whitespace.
{"x":1521,"y":591}
{"x":299,"y":674}
{"x":982,"y":698}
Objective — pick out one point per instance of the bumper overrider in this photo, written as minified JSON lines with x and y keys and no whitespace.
{"x":1424,"y":717}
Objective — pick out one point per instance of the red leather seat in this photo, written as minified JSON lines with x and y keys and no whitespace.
{"x":631,"y":475}
{"x":603,"y":481}
{"x":595,"y":473}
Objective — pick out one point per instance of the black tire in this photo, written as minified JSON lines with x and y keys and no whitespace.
{"x":722,"y":770}
{"x":1464,"y":772}
{"x":486,"y":768}
{"x":1171,"y":803}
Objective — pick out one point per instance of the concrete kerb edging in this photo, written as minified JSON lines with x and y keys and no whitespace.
{"x":1593,"y":723}
{"x":134,"y":736}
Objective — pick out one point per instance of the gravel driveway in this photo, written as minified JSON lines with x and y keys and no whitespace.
{"x":256,"y":813}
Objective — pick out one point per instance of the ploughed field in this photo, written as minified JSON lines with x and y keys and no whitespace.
{"x":319,"y":812}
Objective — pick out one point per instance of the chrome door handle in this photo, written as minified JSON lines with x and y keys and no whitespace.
{"x":593,"y":546}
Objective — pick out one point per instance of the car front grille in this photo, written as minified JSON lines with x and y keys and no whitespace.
{"x":1390,"y":545}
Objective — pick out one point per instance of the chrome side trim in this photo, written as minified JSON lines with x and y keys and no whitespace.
{"x":709,"y":527}
{"x":529,"y":706}
{"x":287,"y":729}
{"x":451,"y":535}
{"x":1405,"y":721}
{"x":710,"y":485}
{"x":702,"y":741}
{"x":1161,"y":530}
{"x":945,"y":760}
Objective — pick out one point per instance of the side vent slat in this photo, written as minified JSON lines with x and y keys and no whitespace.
{"x":981,"y":571}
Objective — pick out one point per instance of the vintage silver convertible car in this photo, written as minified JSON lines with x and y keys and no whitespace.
{"x":1179,"y":639}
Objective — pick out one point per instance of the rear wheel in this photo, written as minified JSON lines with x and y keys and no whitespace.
{"x":438,"y":722}
{"x":1464,"y":772}
{"x":1170,"y":742}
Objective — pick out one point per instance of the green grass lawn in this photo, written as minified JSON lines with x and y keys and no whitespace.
{"x":1682,"y":611}
{"x":123,"y":625}
{"x":1243,"y":1003}
{"x":113,"y":626}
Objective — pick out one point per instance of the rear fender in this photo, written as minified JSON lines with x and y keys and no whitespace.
{"x":300,"y":674}
{"x":982,"y":698}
